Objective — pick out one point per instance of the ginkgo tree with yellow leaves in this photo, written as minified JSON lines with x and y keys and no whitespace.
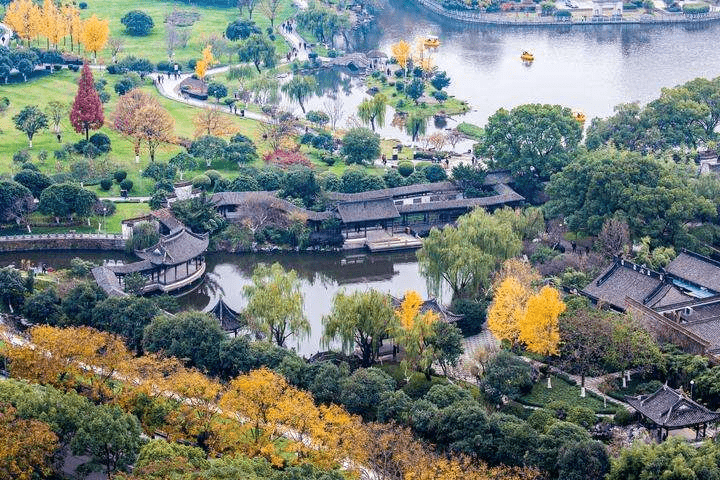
{"x":94,"y":34}
{"x":207,"y":60}
{"x":519,"y":315}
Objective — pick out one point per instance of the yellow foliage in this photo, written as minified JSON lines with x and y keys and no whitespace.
{"x":94,"y":34}
{"x":25,"y":18}
{"x":26,"y":446}
{"x":54,"y":25}
{"x":539,"y":326}
{"x":522,"y":271}
{"x":508,"y":309}
{"x":205,"y":62}
{"x":414,"y":331}
{"x":73,"y":24}
{"x":401,"y":52}
{"x":210,"y":121}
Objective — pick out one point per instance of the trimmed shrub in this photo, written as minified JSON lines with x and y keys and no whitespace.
{"x":120,"y":175}
{"x":405,"y":168}
{"x":126,"y":185}
{"x":106,"y":184}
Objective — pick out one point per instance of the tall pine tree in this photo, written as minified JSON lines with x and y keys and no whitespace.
{"x":87,"y":112}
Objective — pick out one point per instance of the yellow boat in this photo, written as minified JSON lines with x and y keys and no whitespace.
{"x":527,"y":56}
{"x":579,"y":116}
{"x":431,"y":41}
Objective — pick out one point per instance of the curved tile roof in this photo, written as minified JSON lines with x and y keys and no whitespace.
{"x":176,"y":248}
{"x":669,"y":408}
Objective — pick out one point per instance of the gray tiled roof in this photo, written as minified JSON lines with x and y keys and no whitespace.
{"x":133,"y":267}
{"x":166,"y":217}
{"x":617,"y":282}
{"x":370,"y":210}
{"x":107,"y":280}
{"x":415,"y":189}
{"x":668,"y":408}
{"x":459,"y":203}
{"x":175,"y":248}
{"x":222,"y":199}
{"x":700,"y":270}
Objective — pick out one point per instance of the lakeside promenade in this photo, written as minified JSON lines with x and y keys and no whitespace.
{"x":482,"y":18}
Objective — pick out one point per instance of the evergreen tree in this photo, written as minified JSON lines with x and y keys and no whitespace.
{"x":86,"y":110}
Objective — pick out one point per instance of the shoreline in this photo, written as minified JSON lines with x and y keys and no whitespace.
{"x":551,"y":21}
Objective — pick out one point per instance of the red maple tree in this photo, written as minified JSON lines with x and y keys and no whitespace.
{"x":87,"y":112}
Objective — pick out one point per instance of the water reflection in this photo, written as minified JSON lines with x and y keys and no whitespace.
{"x":322,"y":275}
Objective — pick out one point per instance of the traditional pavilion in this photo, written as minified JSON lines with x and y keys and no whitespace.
{"x":175,"y":262}
{"x":668,"y":409}
{"x":432,"y":305}
{"x":230,"y":320}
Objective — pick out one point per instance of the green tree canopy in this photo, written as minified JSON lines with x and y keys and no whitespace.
{"x":30,"y":120}
{"x":258,"y":50}
{"x":66,"y":200}
{"x":191,"y":336}
{"x":110,"y":437}
{"x":299,"y":89}
{"x":275,"y":303}
{"x":361,"y":145}
{"x":360,"y":319}
{"x":465,"y":256}
{"x":16,"y":201}
{"x":656,"y":197}
{"x":533,"y":141}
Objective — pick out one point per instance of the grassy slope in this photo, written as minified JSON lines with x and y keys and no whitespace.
{"x":213,"y":21}
{"x":62,"y":87}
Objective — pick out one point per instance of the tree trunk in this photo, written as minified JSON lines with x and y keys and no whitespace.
{"x":87,"y":133}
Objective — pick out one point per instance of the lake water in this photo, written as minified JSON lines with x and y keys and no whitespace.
{"x":588,"y":68}
{"x":321,"y":274}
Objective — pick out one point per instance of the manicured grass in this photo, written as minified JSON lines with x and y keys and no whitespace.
{"x":213,"y":22}
{"x":451,"y":106}
{"x":62,"y":86}
{"x":562,"y":391}
{"x":472,"y":131}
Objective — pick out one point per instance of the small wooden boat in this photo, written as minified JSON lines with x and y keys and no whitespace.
{"x":527,"y":56}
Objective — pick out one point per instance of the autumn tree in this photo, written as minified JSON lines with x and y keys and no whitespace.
{"x":24,"y":17}
{"x":86,"y":113}
{"x":26,"y":446}
{"x":154,"y":126}
{"x":401,"y":52}
{"x":360,"y":319}
{"x":539,"y":326}
{"x":207,"y":60}
{"x":94,"y":34}
{"x":124,"y":118}
{"x":193,"y":416}
{"x":54,"y":26}
{"x":30,"y":120}
{"x":259,"y":397}
{"x":414,"y":331}
{"x":211,"y":121}
{"x":71,"y":15}
{"x":275,"y":303}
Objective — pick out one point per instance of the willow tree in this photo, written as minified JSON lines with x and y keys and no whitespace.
{"x":360,"y":319}
{"x":275,"y":303}
{"x":465,"y":256}
{"x":372,"y":110}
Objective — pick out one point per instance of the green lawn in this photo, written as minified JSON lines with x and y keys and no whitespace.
{"x":213,"y":21}
{"x":565,"y":392}
{"x":451,"y":106}
{"x":62,"y":86}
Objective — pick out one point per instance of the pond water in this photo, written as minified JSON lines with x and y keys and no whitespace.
{"x":587,"y":68}
{"x":321,"y":274}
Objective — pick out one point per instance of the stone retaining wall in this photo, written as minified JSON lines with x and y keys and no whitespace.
{"x":61,"y":241}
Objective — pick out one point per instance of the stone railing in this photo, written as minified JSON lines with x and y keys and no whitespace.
{"x":520,"y":20}
{"x":61,"y":241}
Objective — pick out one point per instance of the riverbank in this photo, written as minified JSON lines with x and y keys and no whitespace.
{"x":482,"y":18}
